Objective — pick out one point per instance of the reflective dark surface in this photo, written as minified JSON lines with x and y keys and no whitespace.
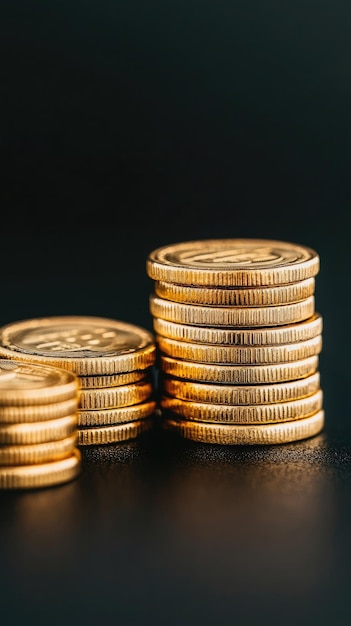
{"x":162,"y":530}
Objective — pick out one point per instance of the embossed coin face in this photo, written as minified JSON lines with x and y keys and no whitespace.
{"x":86,"y":345}
{"x":34,"y":384}
{"x":233,"y":262}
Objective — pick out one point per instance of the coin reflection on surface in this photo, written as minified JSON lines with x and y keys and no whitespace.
{"x":270,"y":509}
{"x":214,"y":525}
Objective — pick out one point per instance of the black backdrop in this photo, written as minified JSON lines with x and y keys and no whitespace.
{"x":130,"y":125}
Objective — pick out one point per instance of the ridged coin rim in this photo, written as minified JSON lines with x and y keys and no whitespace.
{"x":38,"y":412}
{"x":239,"y":374}
{"x":244,"y":414}
{"x":138,"y":359}
{"x":114,"y":380}
{"x":41,"y":474}
{"x":159,"y":268}
{"x":38,"y":432}
{"x":241,"y":394}
{"x":58,"y":385}
{"x":239,"y":355}
{"x":113,"y":434}
{"x":111,"y":417}
{"x":115,"y":397}
{"x":291,"y":333}
{"x":212,"y":296}
{"x":245,"y":317}
{"x":264,"y":434}
{"x":38,"y":453}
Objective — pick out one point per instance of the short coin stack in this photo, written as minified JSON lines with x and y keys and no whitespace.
{"x":112,"y":360}
{"x":38,"y":425}
{"x":239,"y":340}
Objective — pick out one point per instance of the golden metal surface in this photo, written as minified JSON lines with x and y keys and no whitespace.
{"x":115,"y":397}
{"x":109,"y":417}
{"x":87,"y":346}
{"x":265,"y":434}
{"x":241,"y":394}
{"x":232,"y":262}
{"x":114,"y":380}
{"x":239,"y":355}
{"x":38,"y":453}
{"x":231,"y":316}
{"x":265,"y":296}
{"x":240,"y":414}
{"x":41,"y":474}
{"x":38,"y":412}
{"x":239,"y":374}
{"x":113,"y":434}
{"x":291,"y":333}
{"x":23,"y":383}
{"x":38,"y":432}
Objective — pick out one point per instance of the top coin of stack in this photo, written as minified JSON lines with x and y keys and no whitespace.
{"x":112,"y":361}
{"x":239,"y":339}
{"x":38,"y":425}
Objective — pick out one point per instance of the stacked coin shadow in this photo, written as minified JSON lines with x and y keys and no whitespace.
{"x":112,"y":361}
{"x":239,"y":340}
{"x":38,"y":425}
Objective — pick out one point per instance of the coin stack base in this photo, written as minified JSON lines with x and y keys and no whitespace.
{"x":112,"y":361}
{"x":239,"y":340}
{"x":38,"y":425}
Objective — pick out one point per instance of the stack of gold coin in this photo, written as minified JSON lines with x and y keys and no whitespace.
{"x":38,"y":425}
{"x":239,"y":340}
{"x":112,"y":360}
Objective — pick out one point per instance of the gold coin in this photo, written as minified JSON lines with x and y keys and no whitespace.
{"x":114,"y":380}
{"x":38,"y":432}
{"x":244,"y":414}
{"x":231,"y":316}
{"x":266,"y":296}
{"x":228,"y":434}
{"x":242,"y":394}
{"x":87,"y":346}
{"x":232,"y":263}
{"x":41,"y":474}
{"x":108,"y":417}
{"x":38,"y":412}
{"x":240,"y":355}
{"x":23,"y":383}
{"x":113,"y":434}
{"x":239,"y":374}
{"x":39,"y":452}
{"x":115,"y":397}
{"x":291,"y":333}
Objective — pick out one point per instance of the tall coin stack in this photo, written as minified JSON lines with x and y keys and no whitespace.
{"x":38,"y":425}
{"x":238,"y":340}
{"x":112,"y":360}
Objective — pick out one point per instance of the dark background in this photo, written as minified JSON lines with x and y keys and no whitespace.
{"x":126,"y":126}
